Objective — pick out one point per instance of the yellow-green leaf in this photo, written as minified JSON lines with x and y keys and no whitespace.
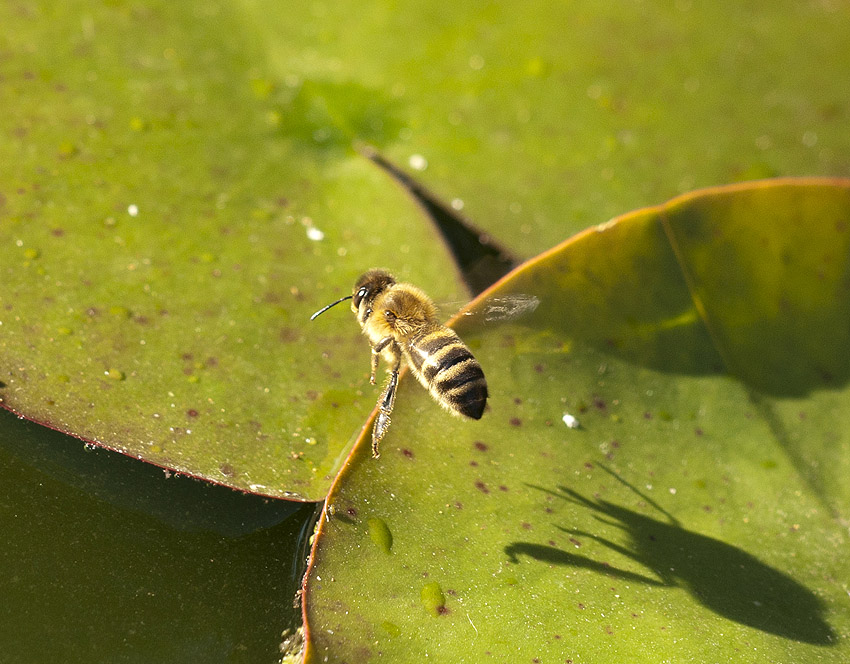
{"x":662,"y":470}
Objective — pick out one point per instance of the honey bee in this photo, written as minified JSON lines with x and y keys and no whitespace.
{"x":400,"y":321}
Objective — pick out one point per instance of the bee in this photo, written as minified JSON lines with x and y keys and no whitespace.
{"x":400,"y":321}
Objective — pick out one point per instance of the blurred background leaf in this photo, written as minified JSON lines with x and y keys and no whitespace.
{"x":111,"y":560}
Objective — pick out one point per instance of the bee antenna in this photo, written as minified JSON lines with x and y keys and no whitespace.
{"x":332,"y":304}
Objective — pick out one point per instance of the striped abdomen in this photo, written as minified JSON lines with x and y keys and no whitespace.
{"x":445,"y":366}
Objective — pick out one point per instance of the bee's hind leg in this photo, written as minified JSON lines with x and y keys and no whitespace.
{"x":385,"y":407}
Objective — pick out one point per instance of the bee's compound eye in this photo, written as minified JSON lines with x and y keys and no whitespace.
{"x":359,"y":295}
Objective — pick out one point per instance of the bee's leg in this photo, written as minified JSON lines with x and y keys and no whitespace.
{"x":375,"y":357}
{"x":385,"y":407}
{"x":376,"y":353}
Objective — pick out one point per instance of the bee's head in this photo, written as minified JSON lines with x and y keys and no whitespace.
{"x":366,"y":289}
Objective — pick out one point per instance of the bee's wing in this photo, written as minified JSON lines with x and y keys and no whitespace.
{"x":509,"y":307}
{"x":495,"y":308}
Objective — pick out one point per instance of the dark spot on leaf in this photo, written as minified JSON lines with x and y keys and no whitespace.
{"x":706,"y":508}
{"x":580,"y":605}
{"x":517,"y":401}
{"x":459,"y":505}
{"x":539,"y":368}
{"x":599,"y":404}
{"x":289,"y":335}
{"x":408,"y":453}
{"x":516,"y":422}
{"x":443,"y":610}
{"x":615,"y":444}
{"x":575,"y":542}
{"x":312,"y":395}
{"x":480,"y":446}
{"x":211,"y":362}
{"x":192,"y":412}
{"x":474,"y":464}
{"x":647,"y":415}
{"x":58,"y":232}
{"x":186,"y":357}
{"x":588,"y":465}
{"x":92,"y":312}
{"x":351,"y":511}
{"x":141,"y":320}
{"x":526,"y":525}
{"x":227,"y":470}
{"x":502,"y":487}
{"x":698,"y":431}
{"x":481,"y":487}
{"x":451,"y":592}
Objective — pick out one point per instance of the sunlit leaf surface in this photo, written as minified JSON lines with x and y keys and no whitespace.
{"x":163,"y":246}
{"x":698,"y":505}
{"x":179,"y":190}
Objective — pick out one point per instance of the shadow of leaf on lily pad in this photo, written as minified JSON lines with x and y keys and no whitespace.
{"x":721,"y":577}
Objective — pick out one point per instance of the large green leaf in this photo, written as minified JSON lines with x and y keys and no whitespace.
{"x":543,"y":118}
{"x":701,"y":505}
{"x":162,"y":250}
{"x":169,"y":168}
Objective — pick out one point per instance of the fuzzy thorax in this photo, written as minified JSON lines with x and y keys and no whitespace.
{"x":399,"y":313}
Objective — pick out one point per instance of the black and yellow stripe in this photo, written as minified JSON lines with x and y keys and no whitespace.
{"x":445,"y":366}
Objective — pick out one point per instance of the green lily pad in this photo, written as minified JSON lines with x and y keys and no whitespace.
{"x":542,"y":118}
{"x":163,"y":246}
{"x":180,"y":189}
{"x":661,"y":470}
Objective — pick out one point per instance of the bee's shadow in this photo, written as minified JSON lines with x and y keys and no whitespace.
{"x":721,"y":577}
